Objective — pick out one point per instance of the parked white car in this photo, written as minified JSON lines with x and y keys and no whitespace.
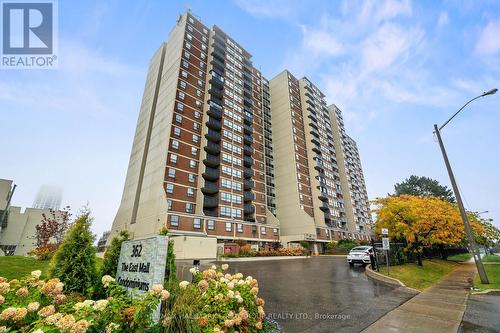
{"x":360,"y":255}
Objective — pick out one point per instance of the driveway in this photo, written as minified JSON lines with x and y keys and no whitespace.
{"x":481,"y":314}
{"x":321,"y":294}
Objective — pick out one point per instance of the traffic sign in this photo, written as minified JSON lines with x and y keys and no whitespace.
{"x":385,"y":243}
{"x":385,"y":231}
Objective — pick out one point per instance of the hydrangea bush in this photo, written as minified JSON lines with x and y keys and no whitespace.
{"x":215,"y":301}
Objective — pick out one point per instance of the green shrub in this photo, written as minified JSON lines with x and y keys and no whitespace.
{"x":112,"y":254}
{"x":170,"y":268}
{"x":74,"y":263}
{"x":345,"y":245}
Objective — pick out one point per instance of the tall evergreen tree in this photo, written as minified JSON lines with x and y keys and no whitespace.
{"x":74,"y":263}
{"x":423,"y":187}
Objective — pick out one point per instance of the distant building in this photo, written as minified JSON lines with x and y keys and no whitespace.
{"x":48,"y":197}
{"x":18,"y":227}
{"x":101,"y":243}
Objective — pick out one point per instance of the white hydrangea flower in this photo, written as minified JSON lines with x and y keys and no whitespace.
{"x":36,"y":274}
{"x":183,"y":284}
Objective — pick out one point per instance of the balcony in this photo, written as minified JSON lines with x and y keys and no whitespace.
{"x":214,"y":124}
{"x":248,"y":129}
{"x":218,"y":52}
{"x":248,"y":161}
{"x":324,"y":207}
{"x":248,"y":196}
{"x":247,"y":139}
{"x":247,"y":102}
{"x":216,"y":81}
{"x":248,"y":184}
{"x":214,"y":112}
{"x":212,"y":148}
{"x":316,"y":150}
{"x":211,"y":174}
{"x":211,"y":161}
{"x":210,"y":188}
{"x":218,"y":65}
{"x":248,"y":119}
{"x":215,"y":92}
{"x":248,"y":209}
{"x":210,"y":202}
{"x":315,"y":141}
{"x":314,"y":132}
{"x":323,"y":197}
{"x":312,"y":117}
{"x":248,"y":150}
{"x":247,"y":172}
{"x":213,"y":136}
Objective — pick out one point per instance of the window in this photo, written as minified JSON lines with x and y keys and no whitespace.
{"x":175,"y":144}
{"x":174,"y":220}
{"x":184,"y":74}
{"x":200,"y":83}
{"x":197,"y":115}
{"x":210,"y":224}
{"x":180,"y":107}
{"x":194,"y":151}
{"x":181,"y":95}
{"x":169,"y":204}
{"x":189,"y":207}
{"x":173,"y":158}
{"x":196,"y":138}
{"x":198,"y":93}
{"x":240,"y":227}
{"x":196,"y":126}
{"x":263,"y":230}
{"x":275,"y":231}
{"x":177,"y":131}
{"x":171,"y":173}
{"x":185,"y":64}
{"x":178,"y":118}
{"x":229,"y":226}
{"x":199,"y":104}
{"x":192,"y":177}
{"x":197,"y":223}
{"x":182,"y":84}
{"x":190,"y":192}
{"x":192,"y":164}
{"x":170,"y":188}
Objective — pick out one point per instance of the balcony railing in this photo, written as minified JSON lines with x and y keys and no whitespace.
{"x":212,"y":148}
{"x":211,"y":173}
{"x":248,"y":129}
{"x":247,"y":150}
{"x":248,"y":209}
{"x":213,"y":136}
{"x":211,"y":161}
{"x":247,"y":172}
{"x":214,"y":124}
{"x":248,"y":196}
{"x":214,"y":112}
{"x":248,"y":161}
{"x":247,"y":139}
{"x":248,"y":184}
{"x":210,"y":188}
{"x":210,"y":202}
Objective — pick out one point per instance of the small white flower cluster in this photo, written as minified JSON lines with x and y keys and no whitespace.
{"x":106,"y":280}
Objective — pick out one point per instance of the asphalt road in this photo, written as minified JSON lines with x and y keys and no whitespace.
{"x":482,"y":314}
{"x":321,"y":294}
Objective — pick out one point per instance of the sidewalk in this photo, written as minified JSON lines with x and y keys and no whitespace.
{"x":437,"y":309}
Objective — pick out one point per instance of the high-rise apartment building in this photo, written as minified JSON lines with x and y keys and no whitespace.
{"x":351,"y":174}
{"x":48,"y":197}
{"x":221,"y":152}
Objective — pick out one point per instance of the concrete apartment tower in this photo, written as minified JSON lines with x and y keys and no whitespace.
{"x":198,"y":163}
{"x":220,"y":153}
{"x":351,"y":174}
{"x":48,"y":197}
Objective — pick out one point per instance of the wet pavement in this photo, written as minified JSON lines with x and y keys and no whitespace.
{"x":321,"y":294}
{"x":482,"y":314}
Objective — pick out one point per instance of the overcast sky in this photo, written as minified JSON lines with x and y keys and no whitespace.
{"x":394,"y":67}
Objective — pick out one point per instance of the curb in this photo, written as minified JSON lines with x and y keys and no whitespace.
{"x":386,"y":279}
{"x":262,"y":258}
{"x":487,"y":291}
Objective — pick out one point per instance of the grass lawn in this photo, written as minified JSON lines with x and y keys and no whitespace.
{"x":491,"y":258}
{"x":493,"y":272}
{"x":418,"y":277}
{"x":460,"y":257}
{"x":17,"y":267}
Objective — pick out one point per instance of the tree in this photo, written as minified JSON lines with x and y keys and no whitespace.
{"x":170,"y":268}
{"x":112,"y":254}
{"x":421,"y":221}
{"x":52,"y":227}
{"x":490,"y":234}
{"x":423,"y":186}
{"x":74,"y":263}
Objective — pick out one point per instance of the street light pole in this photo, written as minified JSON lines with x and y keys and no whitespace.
{"x":465,"y":219}
{"x":463,"y":213}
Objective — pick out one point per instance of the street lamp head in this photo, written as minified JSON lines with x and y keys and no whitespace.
{"x":491,"y":92}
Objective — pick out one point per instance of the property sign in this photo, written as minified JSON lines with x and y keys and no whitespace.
{"x":385,"y":243}
{"x":142,"y":263}
{"x":385,"y":231}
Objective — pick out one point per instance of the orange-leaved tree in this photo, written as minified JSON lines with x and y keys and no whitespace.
{"x":421,"y":221}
